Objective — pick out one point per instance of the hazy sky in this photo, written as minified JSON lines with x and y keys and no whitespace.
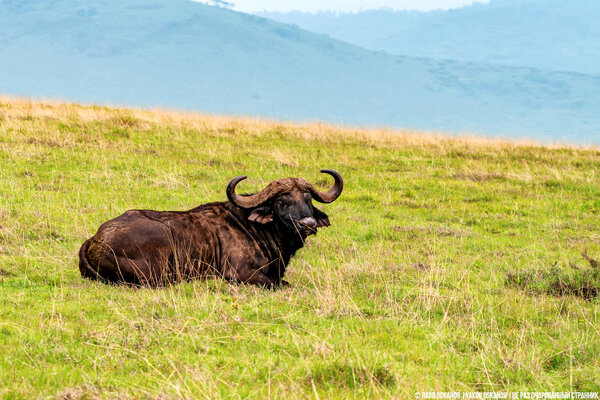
{"x":345,"y":5}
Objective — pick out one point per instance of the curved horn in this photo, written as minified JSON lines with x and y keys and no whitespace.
{"x":331,"y":194}
{"x":244,"y":201}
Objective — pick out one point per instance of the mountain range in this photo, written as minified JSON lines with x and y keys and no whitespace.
{"x":186,"y":55}
{"x":552,"y":35}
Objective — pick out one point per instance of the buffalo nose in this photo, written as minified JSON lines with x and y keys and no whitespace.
{"x":308,"y":222}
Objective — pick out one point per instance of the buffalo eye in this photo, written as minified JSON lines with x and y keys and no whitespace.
{"x":280,"y":203}
{"x":307,"y":198}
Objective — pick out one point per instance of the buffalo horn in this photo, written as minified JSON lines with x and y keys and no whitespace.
{"x":331,"y":194}
{"x":245,"y":201}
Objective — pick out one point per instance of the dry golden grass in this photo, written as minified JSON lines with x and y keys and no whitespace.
{"x":17,"y":108}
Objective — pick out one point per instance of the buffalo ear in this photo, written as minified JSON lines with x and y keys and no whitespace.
{"x":262,"y":215}
{"x":321,"y":217}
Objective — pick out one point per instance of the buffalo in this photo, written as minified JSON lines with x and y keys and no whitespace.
{"x":248,"y":239}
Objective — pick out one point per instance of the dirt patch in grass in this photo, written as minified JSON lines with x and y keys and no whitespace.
{"x":80,"y":393}
{"x":420,"y":266}
{"x":91,"y":392}
{"x":583,"y":282}
{"x":342,"y":374}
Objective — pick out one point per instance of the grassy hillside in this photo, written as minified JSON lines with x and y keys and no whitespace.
{"x":186,"y":55}
{"x":451,"y":263}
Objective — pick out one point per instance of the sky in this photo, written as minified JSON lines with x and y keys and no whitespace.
{"x":345,"y":5}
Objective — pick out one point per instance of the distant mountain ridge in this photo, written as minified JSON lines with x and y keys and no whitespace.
{"x":550,"y":34}
{"x":186,"y":55}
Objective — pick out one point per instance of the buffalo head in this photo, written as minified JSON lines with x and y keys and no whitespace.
{"x":288,"y":203}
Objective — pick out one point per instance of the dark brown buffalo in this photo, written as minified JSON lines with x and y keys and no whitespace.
{"x":247,"y":239}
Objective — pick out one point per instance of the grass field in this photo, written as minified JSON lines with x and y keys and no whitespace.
{"x":451,"y":263}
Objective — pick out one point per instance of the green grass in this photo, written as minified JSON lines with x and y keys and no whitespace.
{"x":417,"y":285}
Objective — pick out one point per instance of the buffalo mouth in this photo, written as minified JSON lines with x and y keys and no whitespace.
{"x":307,"y":226}
{"x":308,"y":231}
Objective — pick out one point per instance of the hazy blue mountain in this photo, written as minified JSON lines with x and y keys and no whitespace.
{"x":179,"y":54}
{"x":547,"y":34}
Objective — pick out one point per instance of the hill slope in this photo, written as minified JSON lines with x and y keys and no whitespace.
{"x":186,"y":55}
{"x":448,"y":265}
{"x":551,"y":35}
